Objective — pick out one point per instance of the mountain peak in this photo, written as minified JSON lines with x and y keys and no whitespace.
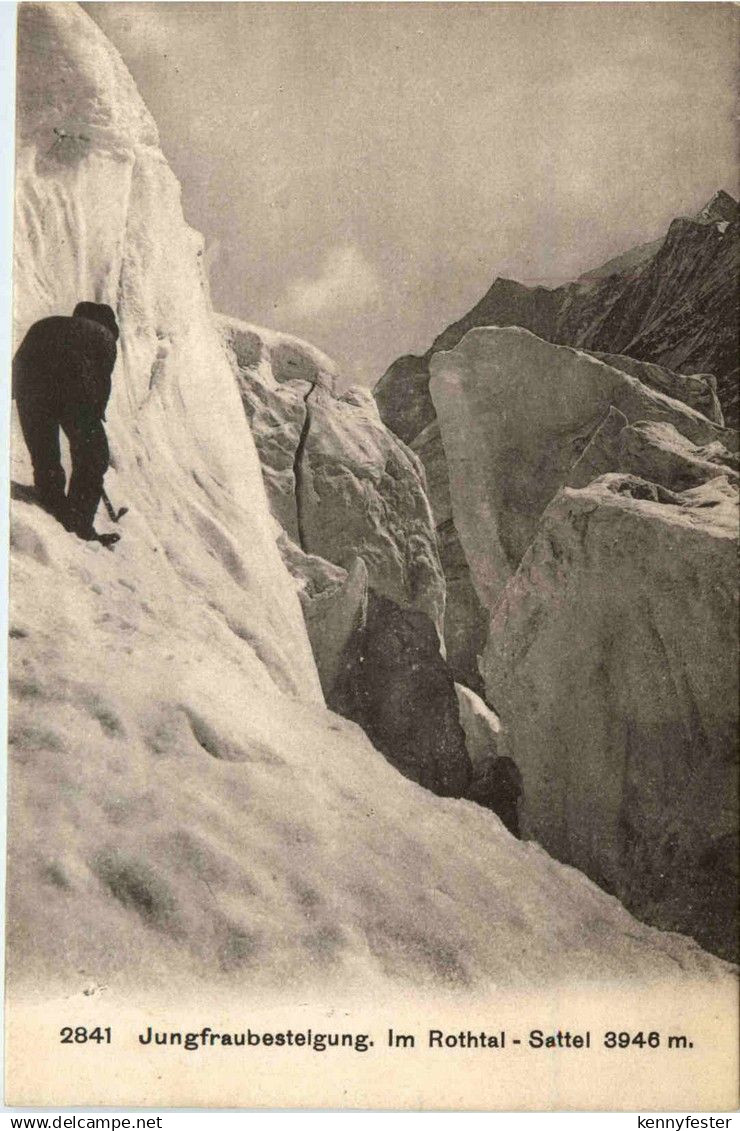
{"x":721,"y":207}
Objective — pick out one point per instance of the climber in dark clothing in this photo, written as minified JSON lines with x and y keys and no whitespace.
{"x":62,"y":378}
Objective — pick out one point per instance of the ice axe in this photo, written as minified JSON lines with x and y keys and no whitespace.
{"x":113,"y":514}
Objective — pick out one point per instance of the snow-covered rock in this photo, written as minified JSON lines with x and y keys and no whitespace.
{"x":342,"y":485}
{"x":333,"y":620}
{"x":699,"y":390}
{"x":183,"y":810}
{"x":652,"y":450}
{"x":515,"y":412}
{"x":613,"y":658}
{"x":481,"y":726}
{"x":496,"y":781}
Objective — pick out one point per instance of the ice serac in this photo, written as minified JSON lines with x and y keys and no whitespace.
{"x":465,"y":622}
{"x":333,"y":621}
{"x":481,"y":726}
{"x":654,"y":451}
{"x":406,"y":407}
{"x":613,"y":657}
{"x":515,"y":412}
{"x":612,"y":644}
{"x":183,"y":810}
{"x":698,"y":391}
{"x":664,"y":306}
{"x":360,"y":544}
{"x":98,"y":216}
{"x":340,"y":483}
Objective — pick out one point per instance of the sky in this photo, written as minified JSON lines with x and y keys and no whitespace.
{"x":362,"y":172}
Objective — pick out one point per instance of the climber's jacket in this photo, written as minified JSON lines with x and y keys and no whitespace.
{"x":62,"y":379}
{"x":69,"y":361}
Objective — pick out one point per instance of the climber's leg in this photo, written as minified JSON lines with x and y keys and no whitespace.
{"x":88,"y":445}
{"x":40,"y":427}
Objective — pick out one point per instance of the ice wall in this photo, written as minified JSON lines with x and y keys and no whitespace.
{"x":99,"y":218}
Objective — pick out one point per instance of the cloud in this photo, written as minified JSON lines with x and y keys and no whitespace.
{"x":346,"y":282}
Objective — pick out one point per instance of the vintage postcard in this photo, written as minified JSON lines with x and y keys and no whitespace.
{"x":373,"y":527}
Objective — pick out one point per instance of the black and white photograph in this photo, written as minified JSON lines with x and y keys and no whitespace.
{"x":372,"y":616}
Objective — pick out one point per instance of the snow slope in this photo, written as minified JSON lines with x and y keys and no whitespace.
{"x":183,"y":809}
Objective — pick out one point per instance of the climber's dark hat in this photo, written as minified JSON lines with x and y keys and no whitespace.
{"x":98,"y":312}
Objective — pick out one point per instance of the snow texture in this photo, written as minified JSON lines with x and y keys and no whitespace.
{"x":340,"y":483}
{"x":515,"y":412}
{"x":613,"y":656}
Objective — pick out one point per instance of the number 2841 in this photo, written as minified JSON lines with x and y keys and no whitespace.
{"x":81,"y":1035}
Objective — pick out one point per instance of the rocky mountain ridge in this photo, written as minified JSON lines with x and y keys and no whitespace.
{"x":636,"y":304}
{"x":672,"y":302}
